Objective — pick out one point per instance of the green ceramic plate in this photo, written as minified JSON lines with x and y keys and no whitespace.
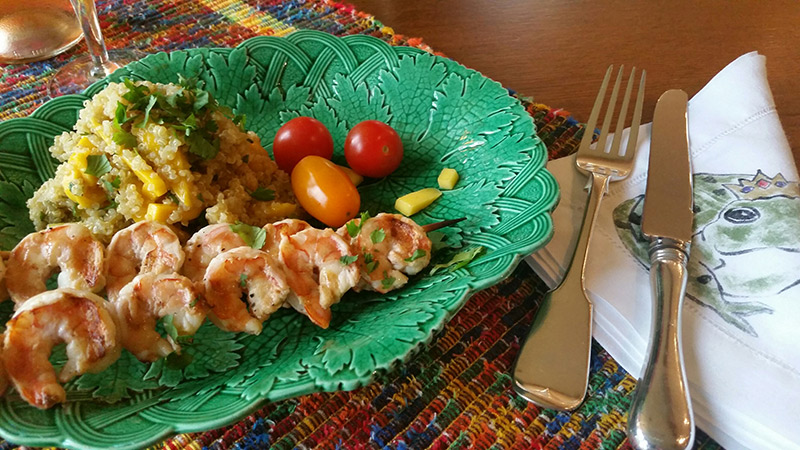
{"x":447,"y":116}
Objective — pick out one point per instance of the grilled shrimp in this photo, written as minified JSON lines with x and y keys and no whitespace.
{"x":279,"y":230}
{"x":79,"y":319}
{"x":148,"y":298}
{"x":316,"y":272}
{"x":144,"y":247}
{"x":3,"y":290}
{"x":3,"y":372}
{"x":70,"y":248}
{"x":241,"y":272}
{"x":205,"y":245}
{"x":392,"y":247}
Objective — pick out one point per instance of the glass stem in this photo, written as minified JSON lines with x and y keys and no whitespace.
{"x":87,"y":16}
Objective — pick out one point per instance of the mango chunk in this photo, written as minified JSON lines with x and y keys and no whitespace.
{"x":354,"y":177}
{"x":414,"y":202}
{"x":159,"y":212}
{"x":153,"y":185}
{"x":447,"y":179}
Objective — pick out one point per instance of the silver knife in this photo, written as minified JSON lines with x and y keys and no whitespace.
{"x":661,"y":413}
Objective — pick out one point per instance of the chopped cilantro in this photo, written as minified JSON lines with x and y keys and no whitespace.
{"x":121,"y":114}
{"x":352,"y":228}
{"x":113,"y":185}
{"x":169,"y":326}
{"x":201,"y":147}
{"x":365,"y":216}
{"x":243,"y":280}
{"x":189,"y":109}
{"x":437,"y":240}
{"x":173,"y":198}
{"x":112,"y":205}
{"x":459,"y":260}
{"x":369,"y":263}
{"x":97,"y":165}
{"x":194,"y":301}
{"x":255,"y":237}
{"x":124,"y":139}
{"x":387,"y":281}
{"x":377,"y":236}
{"x":200,"y":197}
{"x":263,"y":194}
{"x":348,"y":259}
{"x":418,"y":253}
{"x":147,"y":109}
{"x":136,"y":93}
{"x":190,"y":123}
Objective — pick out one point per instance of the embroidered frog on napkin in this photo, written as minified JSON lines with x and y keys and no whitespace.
{"x":741,"y":248}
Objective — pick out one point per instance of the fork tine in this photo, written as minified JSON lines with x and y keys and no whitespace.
{"x":612,"y":104}
{"x":633,"y":137}
{"x":588,"y":132}
{"x":623,"y":114}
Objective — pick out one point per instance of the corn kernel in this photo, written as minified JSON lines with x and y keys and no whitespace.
{"x":159,"y":212}
{"x":447,"y":179}
{"x":414,"y":202}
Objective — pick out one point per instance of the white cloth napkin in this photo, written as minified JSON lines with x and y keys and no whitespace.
{"x":741,"y":331}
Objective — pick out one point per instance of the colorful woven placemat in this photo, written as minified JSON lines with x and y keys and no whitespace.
{"x":455,"y":394}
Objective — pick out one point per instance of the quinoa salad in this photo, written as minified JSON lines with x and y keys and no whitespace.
{"x":163,"y":152}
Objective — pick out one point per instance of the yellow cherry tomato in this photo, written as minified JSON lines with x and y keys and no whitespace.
{"x":325,"y":191}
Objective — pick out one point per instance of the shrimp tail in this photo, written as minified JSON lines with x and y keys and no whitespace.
{"x":319,"y":315}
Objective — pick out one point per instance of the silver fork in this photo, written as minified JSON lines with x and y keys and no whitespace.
{"x":552,"y":368}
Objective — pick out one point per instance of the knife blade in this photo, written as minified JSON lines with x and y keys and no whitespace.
{"x":661,"y":413}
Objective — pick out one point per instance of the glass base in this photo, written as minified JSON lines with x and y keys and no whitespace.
{"x":81,"y":72}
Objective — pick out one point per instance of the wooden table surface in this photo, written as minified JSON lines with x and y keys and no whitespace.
{"x":557,"y":51}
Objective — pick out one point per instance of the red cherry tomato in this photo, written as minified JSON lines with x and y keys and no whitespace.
{"x":298,"y":138}
{"x":325,"y":191}
{"x":373,"y":149}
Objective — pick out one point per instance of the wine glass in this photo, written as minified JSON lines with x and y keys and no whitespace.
{"x":81,"y":72}
{"x":36,"y":30}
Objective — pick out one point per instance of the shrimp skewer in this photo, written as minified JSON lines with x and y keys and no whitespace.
{"x":392,"y":247}
{"x":249,"y":272}
{"x":3,"y":290}
{"x":207,"y":243}
{"x":79,"y":319}
{"x":3,"y":373}
{"x":150,"y":297}
{"x":70,"y":248}
{"x":316,"y":272}
{"x":144,"y":247}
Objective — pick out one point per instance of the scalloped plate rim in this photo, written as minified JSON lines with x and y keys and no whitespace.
{"x":311,"y":386}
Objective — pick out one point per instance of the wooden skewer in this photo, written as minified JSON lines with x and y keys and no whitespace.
{"x":445,"y":223}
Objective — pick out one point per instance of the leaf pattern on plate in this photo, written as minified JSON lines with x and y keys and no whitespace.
{"x":446,"y":115}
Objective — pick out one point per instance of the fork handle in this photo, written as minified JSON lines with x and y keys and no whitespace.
{"x":552,"y":369}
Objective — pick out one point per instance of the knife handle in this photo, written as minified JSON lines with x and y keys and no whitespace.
{"x":661,"y":414}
